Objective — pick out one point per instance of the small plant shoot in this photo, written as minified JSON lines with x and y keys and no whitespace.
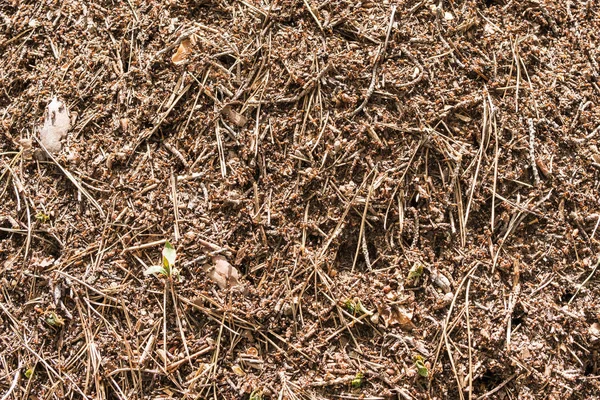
{"x":42,"y":217}
{"x":421,"y":368}
{"x":53,"y":319}
{"x":414,"y":274}
{"x":355,"y":307}
{"x":167,"y":268}
{"x":358,"y":380}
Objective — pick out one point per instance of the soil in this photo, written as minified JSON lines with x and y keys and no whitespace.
{"x":367,"y":200}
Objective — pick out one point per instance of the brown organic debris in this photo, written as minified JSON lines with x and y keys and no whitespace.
{"x":369,"y":199}
{"x":184,"y":50}
{"x":223,"y":273}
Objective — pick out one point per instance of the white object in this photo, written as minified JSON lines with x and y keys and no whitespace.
{"x":440,"y":280}
{"x":56,"y":125}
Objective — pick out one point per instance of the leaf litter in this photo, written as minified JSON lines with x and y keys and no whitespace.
{"x":348,"y":185}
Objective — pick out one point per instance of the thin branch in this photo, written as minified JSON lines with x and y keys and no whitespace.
{"x":378,"y":59}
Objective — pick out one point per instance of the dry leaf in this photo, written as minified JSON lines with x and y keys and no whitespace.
{"x":183,"y":51}
{"x":26,"y":147}
{"x":124,"y":124}
{"x":395,"y":315}
{"x":25,"y":143}
{"x":375,"y":318}
{"x":234,"y":117}
{"x":222,"y":273}
{"x":56,"y":126}
{"x":594,"y":331}
{"x":238,"y":370}
{"x":198,"y":372}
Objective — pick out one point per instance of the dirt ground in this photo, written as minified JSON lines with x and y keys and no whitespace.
{"x":367,"y":200}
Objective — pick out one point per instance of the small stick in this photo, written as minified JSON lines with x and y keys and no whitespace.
{"x":365,"y":250}
{"x":588,"y":137}
{"x":361,"y":233}
{"x":581,"y":109}
{"x":380,"y":56}
{"x":512,"y":301}
{"x":176,"y":153}
{"x":313,"y":15}
{"x":70,"y":176}
{"x":144,"y":245}
{"x":148,"y":134}
{"x":500,"y":386}
{"x":93,"y":289}
{"x":447,"y":320}
{"x":308,"y":86}
{"x":469,"y":339}
{"x":340,"y":225}
{"x":453,"y":49}
{"x":453,"y":179}
{"x":536,"y":176}
{"x":585,"y":281}
{"x":175,"y":205}
{"x":496,"y":157}
{"x":415,"y":240}
{"x":209,"y":246}
{"x":204,"y":350}
{"x":422,"y":72}
{"x":14,"y":383}
{"x":222,"y":161}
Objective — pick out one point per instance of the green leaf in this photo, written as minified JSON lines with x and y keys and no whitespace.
{"x":350,"y":306}
{"x":43,"y":218}
{"x":256,"y":395}
{"x":358,"y":380}
{"x":421,"y":368}
{"x":415,"y":273}
{"x":355,"y":307}
{"x":156,"y":269}
{"x":53,"y":319}
{"x":29,"y":373}
{"x":169,"y":254}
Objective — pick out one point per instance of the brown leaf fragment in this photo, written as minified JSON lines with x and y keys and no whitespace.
{"x":594,"y":332}
{"x":234,"y":117}
{"x":183,"y":51}
{"x":26,"y":147}
{"x":394,"y":315}
{"x":223,"y":273}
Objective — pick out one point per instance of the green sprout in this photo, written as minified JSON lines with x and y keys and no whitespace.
{"x":256,"y":395}
{"x":415,"y":273}
{"x":28,"y":373}
{"x":167,"y":268}
{"x":42,"y":217}
{"x":358,"y":380}
{"x":53,"y":319}
{"x":355,"y":307}
{"x":350,"y":306}
{"x":421,"y":368}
